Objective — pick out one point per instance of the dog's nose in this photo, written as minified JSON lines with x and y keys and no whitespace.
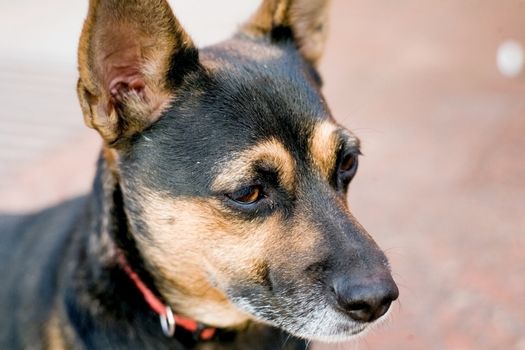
{"x":365,"y":300}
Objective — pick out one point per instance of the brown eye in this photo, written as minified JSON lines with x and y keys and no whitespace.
{"x":347,"y":169}
{"x":247,"y":195}
{"x":348,"y":163}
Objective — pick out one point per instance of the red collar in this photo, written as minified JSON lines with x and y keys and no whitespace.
{"x":168,"y":320}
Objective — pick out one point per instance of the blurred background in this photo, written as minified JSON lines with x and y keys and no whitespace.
{"x":442,"y":183}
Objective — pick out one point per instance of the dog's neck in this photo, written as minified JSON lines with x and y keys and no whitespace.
{"x":104,"y":304}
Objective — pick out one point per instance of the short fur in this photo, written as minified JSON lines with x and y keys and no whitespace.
{"x":184,"y":131}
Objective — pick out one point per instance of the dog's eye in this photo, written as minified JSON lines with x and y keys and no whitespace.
{"x":247,"y":195}
{"x":348,"y":163}
{"x":348,"y":167}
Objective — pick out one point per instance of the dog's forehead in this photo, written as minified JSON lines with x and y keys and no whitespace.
{"x":263,"y":89}
{"x":252,"y":93}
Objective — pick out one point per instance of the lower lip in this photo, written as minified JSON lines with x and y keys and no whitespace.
{"x":350,"y":329}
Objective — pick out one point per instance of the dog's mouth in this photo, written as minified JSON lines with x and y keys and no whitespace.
{"x":346,"y":331}
{"x":314,"y":321}
{"x":342,"y":332}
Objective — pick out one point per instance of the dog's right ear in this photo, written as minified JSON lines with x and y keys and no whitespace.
{"x":132,"y":55}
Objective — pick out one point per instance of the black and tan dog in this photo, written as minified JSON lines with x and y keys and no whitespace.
{"x":219,"y":198}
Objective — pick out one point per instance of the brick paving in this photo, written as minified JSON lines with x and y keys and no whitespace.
{"x":442,"y":182}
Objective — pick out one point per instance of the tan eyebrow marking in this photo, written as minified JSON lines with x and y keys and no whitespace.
{"x":324,"y":144}
{"x":240,"y":168}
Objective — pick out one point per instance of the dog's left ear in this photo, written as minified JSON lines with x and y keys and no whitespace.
{"x":304,"y":20}
{"x":132,"y":56}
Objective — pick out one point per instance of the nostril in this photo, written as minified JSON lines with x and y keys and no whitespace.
{"x":359,"y":311}
{"x":358,"y":306}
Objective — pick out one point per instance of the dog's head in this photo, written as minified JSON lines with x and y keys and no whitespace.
{"x":233,"y":172}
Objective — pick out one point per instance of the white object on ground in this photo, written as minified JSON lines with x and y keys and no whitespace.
{"x":510,"y":58}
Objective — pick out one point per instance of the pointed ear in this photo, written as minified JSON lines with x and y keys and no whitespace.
{"x":305,"y":20}
{"x":132,"y":54}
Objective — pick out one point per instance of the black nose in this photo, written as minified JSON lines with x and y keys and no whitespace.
{"x":367,"y":299}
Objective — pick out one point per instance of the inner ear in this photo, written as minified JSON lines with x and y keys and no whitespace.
{"x":124,"y":75}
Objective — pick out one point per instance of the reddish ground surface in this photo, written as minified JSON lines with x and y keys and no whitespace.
{"x":442,"y":183}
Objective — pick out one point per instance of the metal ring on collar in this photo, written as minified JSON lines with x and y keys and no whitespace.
{"x":167,"y":322}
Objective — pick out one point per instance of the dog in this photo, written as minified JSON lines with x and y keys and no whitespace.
{"x":218,"y":215}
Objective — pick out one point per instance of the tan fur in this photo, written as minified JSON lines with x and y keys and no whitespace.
{"x":323,"y":147}
{"x":132,"y":39}
{"x":239,"y":167}
{"x":324,"y":143}
{"x":210,"y":250}
{"x":53,"y":334}
{"x":307,"y":19}
{"x":198,"y":238}
{"x":111,"y":156}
